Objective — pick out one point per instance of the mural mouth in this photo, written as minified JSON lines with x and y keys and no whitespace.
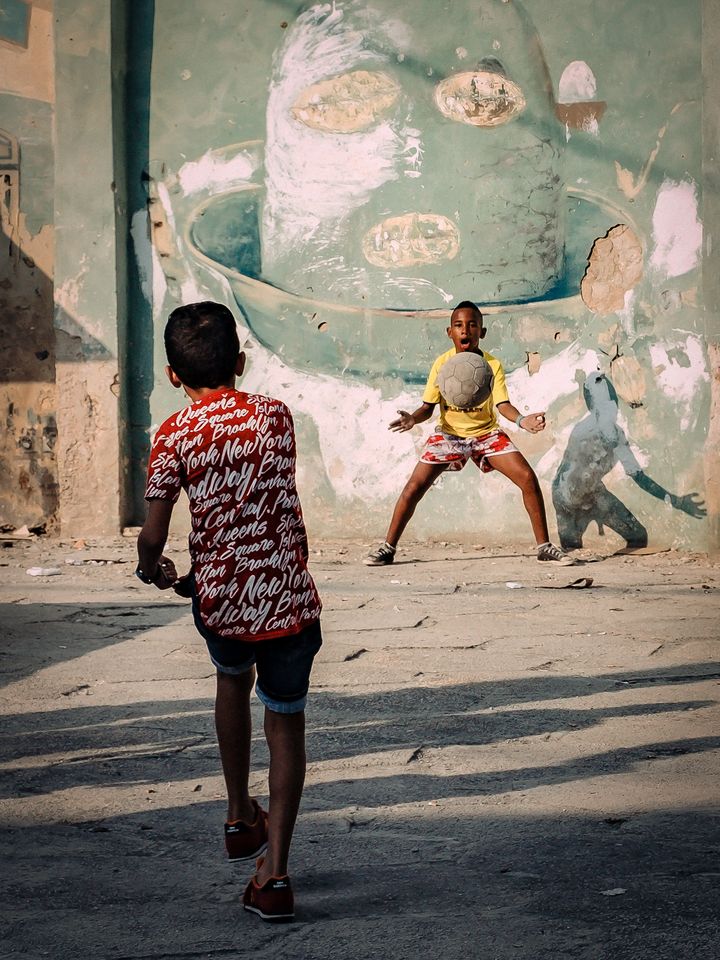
{"x":410,"y":240}
{"x":223,"y":235}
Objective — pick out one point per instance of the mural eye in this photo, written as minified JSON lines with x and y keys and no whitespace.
{"x":411,"y":239}
{"x":347,"y":103}
{"x":480,"y":98}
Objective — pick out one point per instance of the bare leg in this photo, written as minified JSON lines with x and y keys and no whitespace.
{"x":234,"y":726}
{"x":285,"y":733}
{"x":515,"y":467}
{"x":421,"y":479}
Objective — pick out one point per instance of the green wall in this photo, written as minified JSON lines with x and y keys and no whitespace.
{"x":212,"y":152}
{"x":335,"y":361}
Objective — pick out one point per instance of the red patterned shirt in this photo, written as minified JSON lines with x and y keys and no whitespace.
{"x":234,"y":455}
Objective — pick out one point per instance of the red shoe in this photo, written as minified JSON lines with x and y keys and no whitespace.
{"x":245,"y":841}
{"x":272,"y":901}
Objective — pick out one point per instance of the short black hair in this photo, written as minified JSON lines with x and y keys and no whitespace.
{"x":466,"y":305}
{"x":202,"y":344}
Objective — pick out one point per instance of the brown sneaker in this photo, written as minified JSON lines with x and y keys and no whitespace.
{"x":272,"y":901}
{"x":245,"y":841}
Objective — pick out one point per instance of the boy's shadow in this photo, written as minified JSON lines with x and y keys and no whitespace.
{"x":596,"y":444}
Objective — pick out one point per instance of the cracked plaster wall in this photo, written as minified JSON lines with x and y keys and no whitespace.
{"x":59,"y":451}
{"x":87,"y":312}
{"x":634,"y":308}
{"x":28,"y":456}
{"x":644,"y":309}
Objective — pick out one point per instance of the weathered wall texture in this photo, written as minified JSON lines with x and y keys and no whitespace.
{"x":86,"y":281}
{"x":28,"y":466}
{"x":59,"y":382}
{"x":342,"y":176}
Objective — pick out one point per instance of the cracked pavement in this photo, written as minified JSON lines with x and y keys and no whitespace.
{"x":493,"y":772}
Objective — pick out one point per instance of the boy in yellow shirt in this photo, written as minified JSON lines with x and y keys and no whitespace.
{"x":469,"y":435}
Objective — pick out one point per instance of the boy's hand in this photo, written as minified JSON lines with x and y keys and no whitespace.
{"x":533,"y":422}
{"x":183,"y":586}
{"x":406,"y":421}
{"x":166,"y":575}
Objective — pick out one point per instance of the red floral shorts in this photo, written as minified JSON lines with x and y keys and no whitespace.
{"x":456,"y":451}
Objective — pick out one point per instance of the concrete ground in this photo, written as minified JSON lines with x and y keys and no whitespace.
{"x":495,"y":771}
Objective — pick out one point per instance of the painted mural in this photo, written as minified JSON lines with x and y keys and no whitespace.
{"x":595,"y":446}
{"x":343,"y":173}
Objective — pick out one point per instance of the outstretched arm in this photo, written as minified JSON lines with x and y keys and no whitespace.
{"x":406,"y":421}
{"x":691,"y":503}
{"x":532,"y":422}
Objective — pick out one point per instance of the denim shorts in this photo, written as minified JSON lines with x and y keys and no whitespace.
{"x":283,"y":664}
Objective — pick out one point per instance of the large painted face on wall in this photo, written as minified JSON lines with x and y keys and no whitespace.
{"x":404,"y":168}
{"x":409,"y":168}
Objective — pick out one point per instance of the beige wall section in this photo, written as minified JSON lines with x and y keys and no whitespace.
{"x":87,"y":448}
{"x":28,"y":493}
{"x":28,"y":470}
{"x":711,"y":260}
{"x":30,"y":72}
{"x":86,"y":322}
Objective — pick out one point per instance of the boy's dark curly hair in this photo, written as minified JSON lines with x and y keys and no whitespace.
{"x":202,"y":344}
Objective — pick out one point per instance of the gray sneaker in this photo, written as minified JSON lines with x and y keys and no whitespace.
{"x":384,"y":555}
{"x":548,"y":553}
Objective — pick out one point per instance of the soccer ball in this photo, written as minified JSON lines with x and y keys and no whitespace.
{"x":465,"y":381}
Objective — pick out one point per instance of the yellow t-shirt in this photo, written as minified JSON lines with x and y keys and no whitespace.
{"x":467,"y":423}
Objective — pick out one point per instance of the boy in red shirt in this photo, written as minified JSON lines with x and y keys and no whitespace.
{"x":254,"y":601}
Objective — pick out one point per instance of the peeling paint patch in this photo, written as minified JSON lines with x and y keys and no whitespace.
{"x":534,"y":360}
{"x":213,"y":173}
{"x":628,"y":379}
{"x":152,"y":278}
{"x":680,"y":371}
{"x":614,"y":267}
{"x":577,"y":83}
{"x":67,"y":296}
{"x":364,"y":461}
{"x":712,"y":448}
{"x":677,"y":231}
{"x":581,"y":116}
{"x":531,"y":328}
{"x":557,"y":379}
{"x":625,"y":179}
{"x":577,"y":107}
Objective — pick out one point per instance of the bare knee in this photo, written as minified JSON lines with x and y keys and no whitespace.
{"x":236,"y":682}
{"x":527,"y":481}
{"x":414,"y":490}
{"x":284,"y":724}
